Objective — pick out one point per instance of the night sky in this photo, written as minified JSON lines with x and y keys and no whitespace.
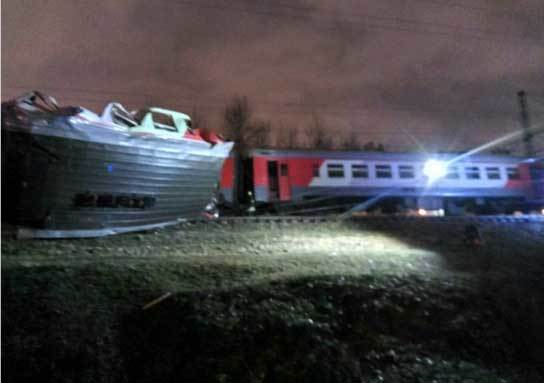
{"x":440,"y":72}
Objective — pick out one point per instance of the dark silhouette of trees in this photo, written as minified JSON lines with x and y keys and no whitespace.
{"x":287,"y":137}
{"x":373,"y":147}
{"x":350,"y":142}
{"x":241,"y":129}
{"x":317,"y":136}
{"x":246,"y":134}
{"x":237,"y":122}
{"x":260,"y":134}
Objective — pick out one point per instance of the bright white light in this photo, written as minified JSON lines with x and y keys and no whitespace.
{"x":434,"y":169}
{"x":542,"y":211}
{"x":431,"y":213}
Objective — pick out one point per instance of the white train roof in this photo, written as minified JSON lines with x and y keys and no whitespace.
{"x":386,"y":156}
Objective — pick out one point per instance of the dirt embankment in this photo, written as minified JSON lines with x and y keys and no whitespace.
{"x":370,"y":301}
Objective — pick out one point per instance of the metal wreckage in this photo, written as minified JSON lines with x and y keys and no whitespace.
{"x":68,"y":172}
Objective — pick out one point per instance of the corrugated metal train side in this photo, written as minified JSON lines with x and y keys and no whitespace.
{"x":84,"y":179}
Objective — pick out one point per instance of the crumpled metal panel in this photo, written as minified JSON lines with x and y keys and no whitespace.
{"x":64,"y":175}
{"x":27,"y":233}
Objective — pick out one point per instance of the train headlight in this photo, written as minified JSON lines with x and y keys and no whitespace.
{"x":434,"y":169}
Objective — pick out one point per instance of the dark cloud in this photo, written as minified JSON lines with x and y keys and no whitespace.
{"x":396,"y":71}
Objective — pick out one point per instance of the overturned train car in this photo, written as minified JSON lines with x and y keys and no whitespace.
{"x":68,"y":172}
{"x":392,"y":182}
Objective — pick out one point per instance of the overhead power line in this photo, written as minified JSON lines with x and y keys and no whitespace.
{"x":453,"y":4}
{"x":377,"y":22}
{"x":390,"y":133}
{"x":79,"y":90}
{"x":285,"y":107}
{"x":358,"y":16}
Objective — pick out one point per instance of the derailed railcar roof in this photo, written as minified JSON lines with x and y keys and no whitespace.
{"x":173,"y":113}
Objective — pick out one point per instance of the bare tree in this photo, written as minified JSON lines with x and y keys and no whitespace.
{"x":369,"y":146}
{"x":373,"y":147}
{"x":237,"y":122}
{"x":350,"y":142}
{"x":292,"y":138}
{"x":287,"y":137}
{"x":259,"y":136}
{"x":317,"y":136}
{"x":237,"y":116}
{"x":245,"y":134}
{"x":240,"y":128}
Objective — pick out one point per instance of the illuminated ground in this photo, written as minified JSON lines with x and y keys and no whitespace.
{"x":277,"y":302}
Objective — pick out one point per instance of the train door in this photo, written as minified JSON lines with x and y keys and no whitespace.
{"x":273,"y":181}
{"x":537,"y":180}
{"x":279,"y":187}
{"x":247,"y":180}
{"x":284,"y":186}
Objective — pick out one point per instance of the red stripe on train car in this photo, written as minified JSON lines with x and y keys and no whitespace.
{"x":524,"y":181}
{"x":300,"y":169}
{"x":260,"y":170}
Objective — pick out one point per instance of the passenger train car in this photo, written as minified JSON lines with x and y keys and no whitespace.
{"x":403,"y":182}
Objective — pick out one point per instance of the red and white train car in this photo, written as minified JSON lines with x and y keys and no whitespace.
{"x":406,"y":181}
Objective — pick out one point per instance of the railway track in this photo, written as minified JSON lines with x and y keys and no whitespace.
{"x":375,"y":218}
{"x":535,"y":222}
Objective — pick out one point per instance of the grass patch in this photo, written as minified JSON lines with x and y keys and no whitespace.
{"x":268,"y":302}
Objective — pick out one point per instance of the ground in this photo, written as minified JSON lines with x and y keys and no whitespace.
{"x":370,"y":300}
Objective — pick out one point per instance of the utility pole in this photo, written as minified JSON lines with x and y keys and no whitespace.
{"x":527,"y":135}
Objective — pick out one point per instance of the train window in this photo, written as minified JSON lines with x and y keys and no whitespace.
{"x":283,"y":170}
{"x":452,"y":173}
{"x":335,"y":170}
{"x":513,"y":173}
{"x":383,"y":171}
{"x":164,"y":121}
{"x":315,"y":170}
{"x":406,"y":171}
{"x":359,"y":171}
{"x":493,"y":173}
{"x":472,"y":173}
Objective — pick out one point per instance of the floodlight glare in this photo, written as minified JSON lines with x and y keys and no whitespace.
{"x":434,"y":169}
